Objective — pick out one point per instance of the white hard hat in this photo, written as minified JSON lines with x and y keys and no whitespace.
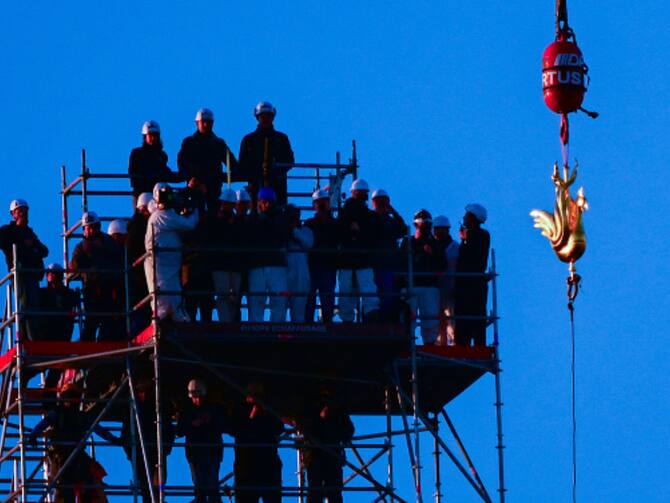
{"x":144,"y":199}
{"x":243,"y":195}
{"x":228,"y":196}
{"x":478,"y":211}
{"x":89,"y":218}
{"x":55,"y":268}
{"x":320,"y":194}
{"x":157,"y":190}
{"x":264,"y":107}
{"x":441,"y":221}
{"x":18,"y":203}
{"x":204,"y":114}
{"x":151,"y":127}
{"x":379,"y":193}
{"x":117,"y":226}
{"x":359,"y":184}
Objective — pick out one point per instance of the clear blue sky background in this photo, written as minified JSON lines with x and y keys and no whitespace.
{"x":444,"y":99}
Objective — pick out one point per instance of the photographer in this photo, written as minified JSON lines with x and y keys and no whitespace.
{"x":172,"y":218}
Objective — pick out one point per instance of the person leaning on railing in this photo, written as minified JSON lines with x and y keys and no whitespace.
{"x":30,"y":253}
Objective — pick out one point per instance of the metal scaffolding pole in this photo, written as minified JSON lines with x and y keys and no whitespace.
{"x":499,"y":403}
{"x":19,"y":372}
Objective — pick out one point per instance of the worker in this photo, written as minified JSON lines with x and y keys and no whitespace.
{"x":196,"y":271}
{"x":447,"y":281}
{"x":202,"y":423}
{"x":258,"y":162}
{"x":244,"y":211}
{"x":66,"y":427}
{"x":227,"y":232}
{"x":392,"y":228}
{"x":137,"y":282}
{"x":98,"y":259}
{"x":145,"y":406}
{"x":165,"y":229}
{"x":301,"y":240}
{"x":118,"y":231}
{"x":62,"y":303}
{"x":148,"y":164}
{"x":257,"y":465}
{"x":269,"y":234}
{"x":327,"y":428}
{"x":427,"y":263}
{"x":359,"y":233}
{"x":30,"y":253}
{"x":472,"y":292}
{"x":201,"y":158}
{"x":322,"y":259}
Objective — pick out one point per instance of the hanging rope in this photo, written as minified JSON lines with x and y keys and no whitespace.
{"x":573,"y":289}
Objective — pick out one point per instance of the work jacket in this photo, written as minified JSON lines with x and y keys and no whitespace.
{"x":147,"y":166}
{"x":29,"y":249}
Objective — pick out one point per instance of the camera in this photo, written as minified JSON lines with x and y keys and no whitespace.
{"x":181,"y":200}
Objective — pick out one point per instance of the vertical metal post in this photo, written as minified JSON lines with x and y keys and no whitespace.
{"x":414,"y":378}
{"x":157,"y":382}
{"x":66,"y":252}
{"x":499,"y":403}
{"x":353,"y":162}
{"x":389,"y":438}
{"x":19,"y":370}
{"x":300,"y":474}
{"x":84,"y":182}
{"x":436,"y":453}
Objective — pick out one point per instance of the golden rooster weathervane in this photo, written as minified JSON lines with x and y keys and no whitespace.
{"x":565,"y":229}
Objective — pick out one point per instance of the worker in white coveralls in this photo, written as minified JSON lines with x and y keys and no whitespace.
{"x":301,"y":240}
{"x":166,"y":224}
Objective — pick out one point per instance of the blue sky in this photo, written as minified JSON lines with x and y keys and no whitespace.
{"x":445,"y":102}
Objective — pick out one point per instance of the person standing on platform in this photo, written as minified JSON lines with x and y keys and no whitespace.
{"x":301,"y":240}
{"x":146,"y":417}
{"x":330,"y":426}
{"x":269,"y":234}
{"x":118,"y":231}
{"x":30,"y":253}
{"x":322,"y":260}
{"x":137,"y":282}
{"x":392,"y":229}
{"x":227,"y":233}
{"x":260,"y":150}
{"x":245,"y":214}
{"x":244,"y":206}
{"x":203,"y":423}
{"x":148,"y":164}
{"x":427,"y":263}
{"x":99,"y":260}
{"x":257,"y":465}
{"x":359,"y":234}
{"x":201,"y":158}
{"x":441,"y":228}
{"x":165,"y":228}
{"x":472,"y":292}
{"x":63,"y":302}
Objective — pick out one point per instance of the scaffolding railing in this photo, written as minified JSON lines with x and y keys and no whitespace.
{"x":401,"y":397}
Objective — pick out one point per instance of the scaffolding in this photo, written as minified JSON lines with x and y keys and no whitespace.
{"x":378,"y":368}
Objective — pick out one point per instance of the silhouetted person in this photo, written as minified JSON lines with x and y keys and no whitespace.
{"x":253,"y":154}
{"x":137,"y":282}
{"x":447,"y":282}
{"x":300,"y":241}
{"x":201,"y":158}
{"x":30,"y":254}
{"x":472,"y":293}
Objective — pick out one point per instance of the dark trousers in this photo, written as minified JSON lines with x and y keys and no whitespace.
{"x":322,"y":281}
{"x":258,"y":477}
{"x":28,"y":299}
{"x":324,"y":478}
{"x":386,"y":290}
{"x":198,"y":279}
{"x":108,"y":328}
{"x":471,"y":301}
{"x":142,"y":478}
{"x":205,"y":476}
